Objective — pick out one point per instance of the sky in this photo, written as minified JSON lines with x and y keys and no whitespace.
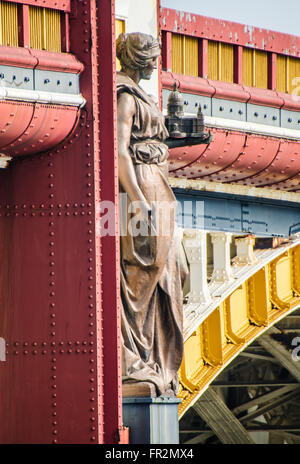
{"x":277,"y":15}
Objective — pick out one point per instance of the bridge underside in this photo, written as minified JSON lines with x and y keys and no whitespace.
{"x":242,"y":292}
{"x":256,"y":398}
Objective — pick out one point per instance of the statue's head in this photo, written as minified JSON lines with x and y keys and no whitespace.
{"x":139,"y":52}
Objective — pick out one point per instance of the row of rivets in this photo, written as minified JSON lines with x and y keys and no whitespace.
{"x":89,"y":184}
{"x":52,"y":312}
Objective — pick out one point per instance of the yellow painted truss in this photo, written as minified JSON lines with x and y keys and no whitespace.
{"x":267,"y":295}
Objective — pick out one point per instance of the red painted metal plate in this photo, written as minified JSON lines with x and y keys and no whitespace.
{"x":230,"y":32}
{"x":285,"y":166}
{"x":239,"y":158}
{"x":217,"y":157}
{"x":264,"y":97}
{"x":181,"y":157}
{"x":221,"y":159}
{"x":258,"y":153}
{"x":189,"y":84}
{"x":35,"y":128}
{"x":15,"y":118}
{"x":229,"y":91}
{"x":196,"y":152}
{"x":39,"y":59}
{"x":64,"y":5}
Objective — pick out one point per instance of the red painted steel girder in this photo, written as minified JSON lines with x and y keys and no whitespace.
{"x":258,"y":153}
{"x":197,"y":155}
{"x":63,"y":5}
{"x":229,"y":91}
{"x":285,"y":165}
{"x":15,"y":118}
{"x":214,"y":161}
{"x":28,"y":128}
{"x":230,"y":32}
{"x":234,"y":157}
{"x":39,"y":59}
{"x":54,"y":315}
{"x":180,"y":158}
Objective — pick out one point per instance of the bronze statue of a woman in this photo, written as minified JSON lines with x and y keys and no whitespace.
{"x":151,"y":271}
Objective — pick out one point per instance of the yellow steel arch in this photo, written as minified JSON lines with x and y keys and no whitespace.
{"x":269,"y":291}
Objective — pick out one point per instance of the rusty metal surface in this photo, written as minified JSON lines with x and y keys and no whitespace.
{"x":230,"y":32}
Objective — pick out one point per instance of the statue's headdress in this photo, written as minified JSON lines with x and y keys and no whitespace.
{"x":134,"y":50}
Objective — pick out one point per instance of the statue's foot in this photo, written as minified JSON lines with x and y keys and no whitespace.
{"x":133,"y":389}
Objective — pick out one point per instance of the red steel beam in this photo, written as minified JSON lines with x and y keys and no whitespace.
{"x":167,"y":51}
{"x":229,"y":32}
{"x":63,"y":5}
{"x":106,"y":105}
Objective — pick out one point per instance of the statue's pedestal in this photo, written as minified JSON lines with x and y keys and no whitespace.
{"x":151,"y":420}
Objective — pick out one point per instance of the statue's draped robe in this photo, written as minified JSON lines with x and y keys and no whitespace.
{"x":151,"y":287}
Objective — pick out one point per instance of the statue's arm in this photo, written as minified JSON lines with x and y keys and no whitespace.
{"x":127,"y":177}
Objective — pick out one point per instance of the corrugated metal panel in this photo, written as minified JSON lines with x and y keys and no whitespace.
{"x":9,"y":24}
{"x":261,"y":69}
{"x":120,"y":28}
{"x":227,"y":62}
{"x":248,"y":67}
{"x":281,"y":73}
{"x":293,"y":74}
{"x":178,"y":53}
{"x":191,"y":56}
{"x":52,"y":28}
{"x":213,"y":65}
{"x":44,"y":27}
{"x":36,"y":29}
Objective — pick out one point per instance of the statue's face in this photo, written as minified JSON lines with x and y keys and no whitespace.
{"x":146,"y":73}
